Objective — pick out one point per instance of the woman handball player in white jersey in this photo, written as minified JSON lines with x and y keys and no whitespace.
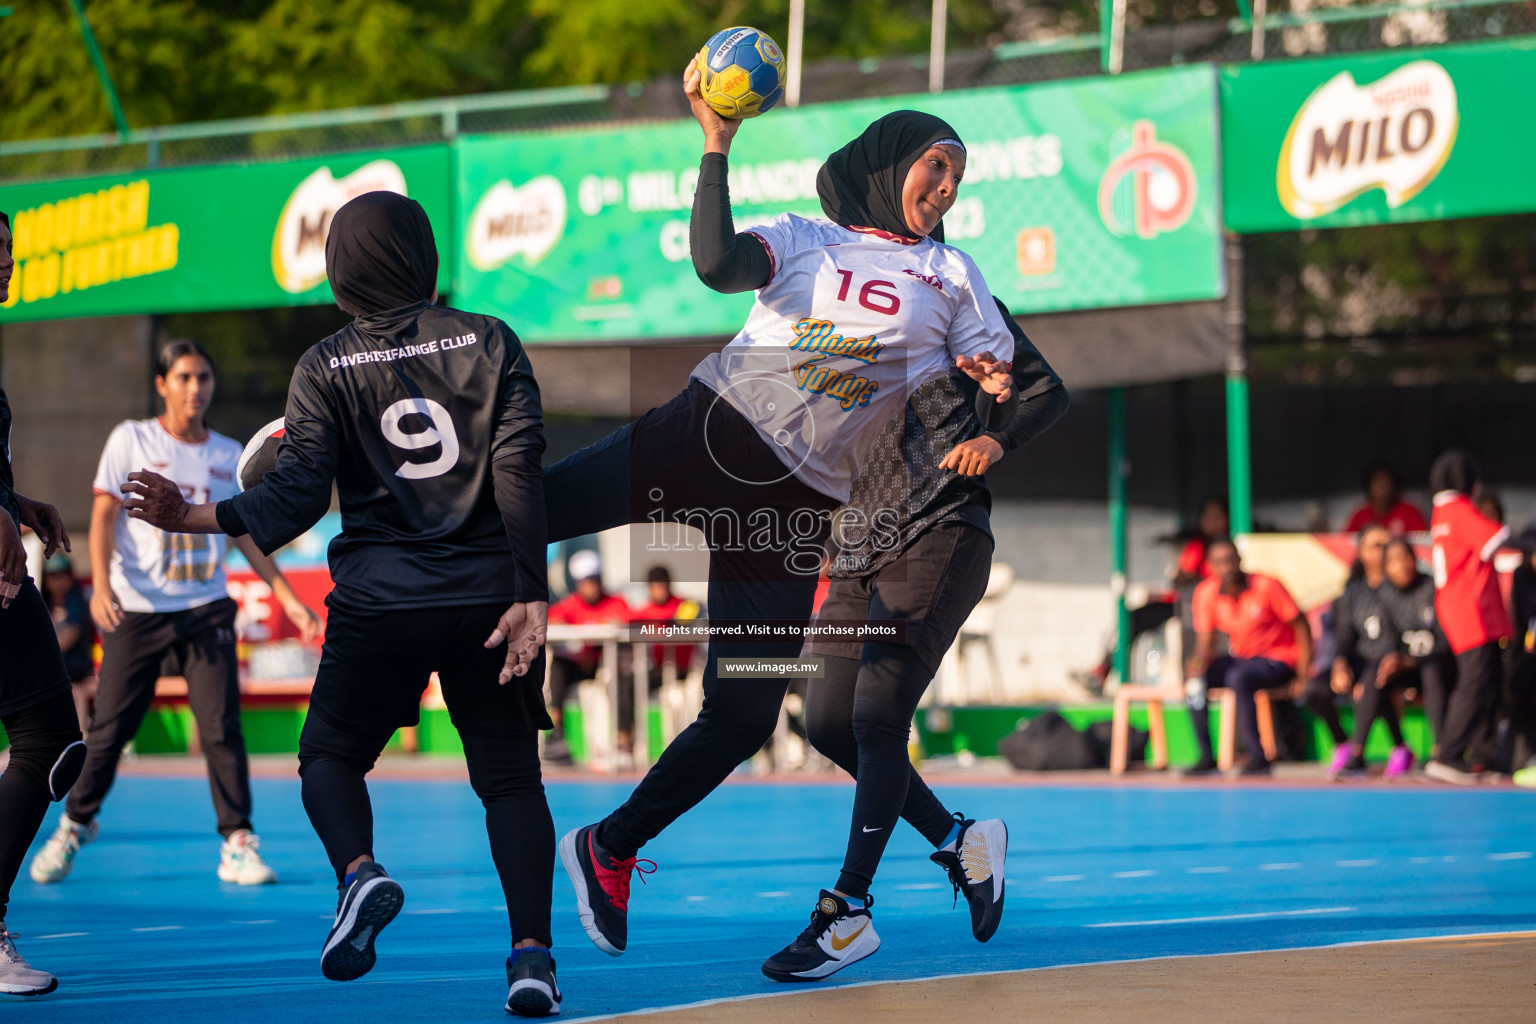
{"x":853,"y":313}
{"x":158,"y":593}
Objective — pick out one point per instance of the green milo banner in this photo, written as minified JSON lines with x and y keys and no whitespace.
{"x":1092,"y":193}
{"x":248,"y":236}
{"x":1370,"y":138}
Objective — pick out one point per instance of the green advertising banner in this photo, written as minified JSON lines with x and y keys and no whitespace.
{"x":1370,"y":138}
{"x":1092,"y":193}
{"x":248,"y":236}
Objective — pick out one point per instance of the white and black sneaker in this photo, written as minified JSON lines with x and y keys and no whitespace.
{"x":366,"y":906}
{"x":837,"y":936}
{"x":532,"y":991}
{"x":975,"y":864}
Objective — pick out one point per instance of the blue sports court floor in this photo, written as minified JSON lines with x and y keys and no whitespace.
{"x":144,"y":932}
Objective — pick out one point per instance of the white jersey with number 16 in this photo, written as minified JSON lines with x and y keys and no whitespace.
{"x":849,"y":324}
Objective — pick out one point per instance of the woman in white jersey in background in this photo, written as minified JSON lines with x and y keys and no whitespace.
{"x":851,"y":317}
{"x":157,"y":593}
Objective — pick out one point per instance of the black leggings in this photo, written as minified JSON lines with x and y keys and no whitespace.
{"x":1319,"y":699}
{"x":859,"y":715}
{"x":371,"y":675}
{"x":1431,"y":677}
{"x":697,"y":460}
{"x":39,"y":734}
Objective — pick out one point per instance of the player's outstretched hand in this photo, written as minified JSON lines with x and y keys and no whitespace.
{"x":973,"y":457}
{"x":154,"y":499}
{"x":993,"y":374}
{"x":718,"y":129}
{"x":522,"y":628}
{"x":43,"y":519}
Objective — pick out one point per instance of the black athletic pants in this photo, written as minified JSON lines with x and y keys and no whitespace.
{"x":38,"y":714}
{"x":1431,"y":677}
{"x":860,"y":713}
{"x":130,"y":663}
{"x":1320,"y":699}
{"x":372,"y":672}
{"x":1245,"y":677}
{"x":1520,"y":706}
{"x":38,"y":734}
{"x":697,"y":460}
{"x":1472,"y":706}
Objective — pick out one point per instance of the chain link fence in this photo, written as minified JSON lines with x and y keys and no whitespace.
{"x":1307,"y":28}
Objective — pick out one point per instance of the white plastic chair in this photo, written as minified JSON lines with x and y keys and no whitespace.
{"x":980,"y":626}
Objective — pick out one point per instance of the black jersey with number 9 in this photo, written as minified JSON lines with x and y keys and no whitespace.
{"x":408,"y":411}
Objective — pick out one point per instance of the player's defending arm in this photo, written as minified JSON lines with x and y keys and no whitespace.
{"x":289,"y":500}
{"x":517,"y":478}
{"x":724,"y":260}
{"x":1039,"y":399}
{"x":299,"y":613}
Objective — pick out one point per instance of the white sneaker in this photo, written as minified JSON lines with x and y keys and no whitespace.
{"x":240,"y":863}
{"x":17,"y":977}
{"x":57,"y":857}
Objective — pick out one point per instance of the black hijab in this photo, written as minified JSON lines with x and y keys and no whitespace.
{"x":860,"y":185}
{"x":1455,"y":470}
{"x":380,"y":254}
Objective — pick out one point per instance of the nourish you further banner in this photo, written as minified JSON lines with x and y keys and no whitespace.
{"x":244,"y":236}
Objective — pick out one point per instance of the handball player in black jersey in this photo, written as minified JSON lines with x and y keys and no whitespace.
{"x":36,"y":708}
{"x":428,"y":422}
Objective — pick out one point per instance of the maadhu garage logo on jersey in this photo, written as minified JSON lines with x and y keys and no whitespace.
{"x":298,"y":244}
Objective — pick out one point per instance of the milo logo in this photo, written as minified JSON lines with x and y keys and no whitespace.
{"x":1347,"y":139}
{"x":298,"y":245}
{"x":510,"y":221}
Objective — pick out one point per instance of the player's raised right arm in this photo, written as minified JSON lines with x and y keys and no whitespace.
{"x":724,"y":260}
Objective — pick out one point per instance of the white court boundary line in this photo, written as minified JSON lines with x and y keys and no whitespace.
{"x":799,"y":990}
{"x":1255,"y":916}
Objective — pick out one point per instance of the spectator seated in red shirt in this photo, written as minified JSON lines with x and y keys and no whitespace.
{"x":1472,"y":615}
{"x":1384,"y":505}
{"x":664,"y":606}
{"x":569,"y":663}
{"x":1213,"y":524}
{"x":1268,"y":643}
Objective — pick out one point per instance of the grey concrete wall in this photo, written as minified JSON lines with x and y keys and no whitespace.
{"x":69,"y":383}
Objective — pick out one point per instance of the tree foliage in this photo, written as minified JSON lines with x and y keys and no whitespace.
{"x":192,"y":60}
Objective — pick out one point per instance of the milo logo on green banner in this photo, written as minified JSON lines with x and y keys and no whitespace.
{"x":1395,"y":134}
{"x":298,"y":244}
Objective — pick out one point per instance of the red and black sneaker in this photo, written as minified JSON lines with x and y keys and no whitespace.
{"x":601,"y":881}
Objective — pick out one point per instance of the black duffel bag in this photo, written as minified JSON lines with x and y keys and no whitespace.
{"x":1048,"y":742}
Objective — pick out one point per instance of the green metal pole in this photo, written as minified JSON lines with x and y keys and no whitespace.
{"x":1239,"y":465}
{"x":1119,"y":475}
{"x":1239,"y":468}
{"x":1106,"y":32}
{"x":101,"y":68}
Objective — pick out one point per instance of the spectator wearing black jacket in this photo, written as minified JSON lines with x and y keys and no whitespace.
{"x":1320,"y":696}
{"x":1419,"y":659}
{"x":1424,"y":656}
{"x":1363,"y":637}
